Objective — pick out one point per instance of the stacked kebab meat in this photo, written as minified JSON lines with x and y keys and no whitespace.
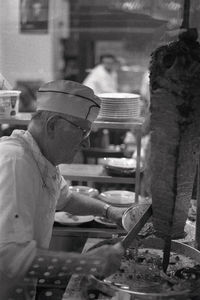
{"x":175,"y":131}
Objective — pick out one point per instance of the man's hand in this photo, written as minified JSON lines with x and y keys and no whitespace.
{"x":115,"y":214}
{"x":109,"y":257}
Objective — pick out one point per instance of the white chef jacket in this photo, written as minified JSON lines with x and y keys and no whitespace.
{"x":101,"y":81}
{"x":4,"y":84}
{"x":30,"y":189}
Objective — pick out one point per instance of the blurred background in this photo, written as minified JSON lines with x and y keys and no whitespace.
{"x":42,"y":40}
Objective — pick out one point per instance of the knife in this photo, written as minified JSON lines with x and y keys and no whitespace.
{"x":166,"y":252}
{"x":167,"y":243}
{"x":127,"y":240}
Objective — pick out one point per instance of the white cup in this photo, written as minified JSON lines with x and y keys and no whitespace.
{"x":9,"y":102}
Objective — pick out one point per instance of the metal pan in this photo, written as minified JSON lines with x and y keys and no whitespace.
{"x":156,"y":243}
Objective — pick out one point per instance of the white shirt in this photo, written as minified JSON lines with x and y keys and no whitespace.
{"x":30,"y":189}
{"x":101,"y":81}
{"x":4,"y":84}
{"x":144,"y":88}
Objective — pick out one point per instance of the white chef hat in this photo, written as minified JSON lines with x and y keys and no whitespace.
{"x":68,"y":97}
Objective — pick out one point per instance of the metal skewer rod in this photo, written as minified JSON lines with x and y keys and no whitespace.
{"x":197,"y":233}
{"x":137,"y":183}
{"x":186,"y":15}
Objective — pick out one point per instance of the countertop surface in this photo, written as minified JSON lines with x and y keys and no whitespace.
{"x":93,"y":173}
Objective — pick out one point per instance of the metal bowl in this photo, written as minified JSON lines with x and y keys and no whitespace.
{"x":132,"y":215}
{"x":155,"y":243}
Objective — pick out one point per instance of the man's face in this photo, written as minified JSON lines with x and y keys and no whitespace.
{"x":71,"y":134}
{"x":108,"y":63}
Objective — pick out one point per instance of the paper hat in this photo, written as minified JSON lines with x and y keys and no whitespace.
{"x":68,"y":97}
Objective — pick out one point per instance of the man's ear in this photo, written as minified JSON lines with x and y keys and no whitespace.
{"x":50,"y":127}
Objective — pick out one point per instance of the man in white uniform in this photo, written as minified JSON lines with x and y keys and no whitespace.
{"x":103,"y":78}
{"x":4,"y":84}
{"x":32,"y":188}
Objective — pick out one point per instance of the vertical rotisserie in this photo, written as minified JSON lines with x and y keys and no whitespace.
{"x":175,"y":130}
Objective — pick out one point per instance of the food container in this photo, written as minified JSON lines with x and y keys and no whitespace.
{"x":123,"y":291}
{"x":9,"y":102}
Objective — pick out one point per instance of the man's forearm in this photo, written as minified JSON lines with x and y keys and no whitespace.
{"x":82,"y":205}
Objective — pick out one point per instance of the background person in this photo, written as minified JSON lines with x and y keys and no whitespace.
{"x":32,"y":188}
{"x":4,"y":84}
{"x":145,"y":94}
{"x":103,"y":78}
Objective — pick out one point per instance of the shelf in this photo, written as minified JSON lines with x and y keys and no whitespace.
{"x":24,"y":119}
{"x":91,"y":173}
{"x":64,"y":231}
{"x":119,"y":125}
{"x":19,"y":119}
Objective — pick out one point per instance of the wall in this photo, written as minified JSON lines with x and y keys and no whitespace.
{"x":25,"y":56}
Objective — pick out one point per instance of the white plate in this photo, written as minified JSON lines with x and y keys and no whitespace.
{"x":68,"y":219}
{"x":85,"y":190}
{"x":123,"y":163}
{"x":115,"y":96}
{"x":118,"y":197}
{"x":104,"y":221}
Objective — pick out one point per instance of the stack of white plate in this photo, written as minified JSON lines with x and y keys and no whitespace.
{"x":119,"y":107}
